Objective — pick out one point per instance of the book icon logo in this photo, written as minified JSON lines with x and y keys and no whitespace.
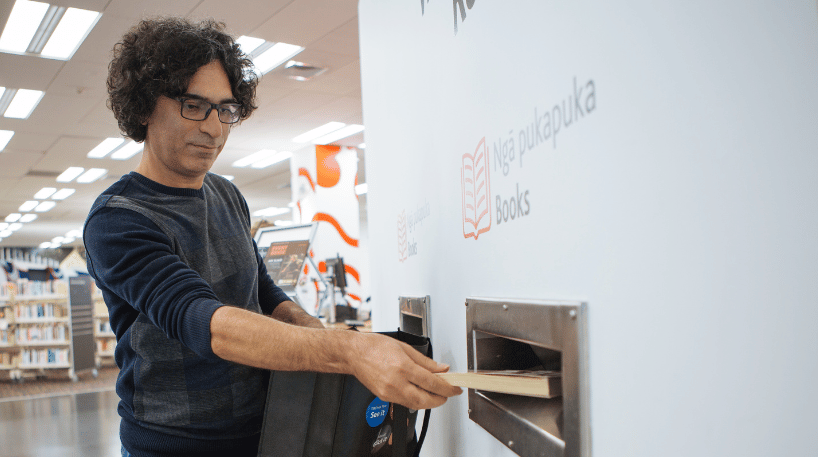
{"x":474,"y":181}
{"x":403,"y":244}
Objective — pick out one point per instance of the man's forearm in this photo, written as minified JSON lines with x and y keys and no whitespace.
{"x":253,"y":339}
{"x":392,"y":370}
{"x":292,"y":313}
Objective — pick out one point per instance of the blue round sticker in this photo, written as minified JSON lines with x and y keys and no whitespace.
{"x":376,"y":412}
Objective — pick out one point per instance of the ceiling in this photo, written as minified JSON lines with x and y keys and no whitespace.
{"x":72,"y":117}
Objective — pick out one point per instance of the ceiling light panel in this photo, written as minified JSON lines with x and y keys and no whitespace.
{"x":62,"y":194}
{"x":129,"y":150}
{"x":280,"y":157}
{"x":54,"y":32}
{"x":276,"y":55}
{"x":70,"y":174}
{"x":28,"y":206}
{"x":339,"y":134}
{"x":249,"y":44}
{"x":13,"y":217}
{"x":28,"y":217}
{"x":22,"y":24}
{"x":92,"y":175}
{"x":253,"y":158}
{"x":45,"y":206}
{"x":70,"y":33}
{"x":5,"y":137}
{"x":23,"y":103}
{"x":306,"y":137}
{"x":45,"y":192}
{"x":104,"y":148}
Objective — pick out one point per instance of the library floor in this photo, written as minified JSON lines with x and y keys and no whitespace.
{"x":60,"y":418}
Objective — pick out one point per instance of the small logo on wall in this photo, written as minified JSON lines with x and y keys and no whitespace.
{"x":474,"y":181}
{"x":403,"y":245}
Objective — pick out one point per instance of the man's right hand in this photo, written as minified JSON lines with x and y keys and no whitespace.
{"x":396,"y":372}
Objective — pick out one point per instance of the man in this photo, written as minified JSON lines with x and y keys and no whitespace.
{"x":170,"y":248}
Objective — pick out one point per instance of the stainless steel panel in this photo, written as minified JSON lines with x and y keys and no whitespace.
{"x":414,"y":315}
{"x":521,"y":334}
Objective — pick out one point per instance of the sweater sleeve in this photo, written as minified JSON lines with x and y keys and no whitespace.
{"x":132,"y":258}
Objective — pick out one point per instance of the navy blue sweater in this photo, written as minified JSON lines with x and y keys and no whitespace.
{"x":165,"y":259}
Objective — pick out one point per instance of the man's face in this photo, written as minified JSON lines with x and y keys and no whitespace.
{"x":181,"y":149}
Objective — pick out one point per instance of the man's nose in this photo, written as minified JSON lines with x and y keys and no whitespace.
{"x":212,"y":125}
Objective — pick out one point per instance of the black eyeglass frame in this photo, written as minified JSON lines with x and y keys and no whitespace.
{"x":210,"y":108}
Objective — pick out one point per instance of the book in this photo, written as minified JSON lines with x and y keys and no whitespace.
{"x":529,"y":383}
{"x":475,"y":183}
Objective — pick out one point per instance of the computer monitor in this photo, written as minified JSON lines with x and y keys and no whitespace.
{"x":284,"y":250}
{"x":338,"y":272}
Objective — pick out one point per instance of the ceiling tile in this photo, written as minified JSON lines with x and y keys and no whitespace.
{"x":150,"y":8}
{"x":30,"y":142}
{"x":27,"y":72}
{"x":59,"y":156}
{"x":16,"y":164}
{"x":322,"y":16}
{"x":239,"y":21}
{"x":342,"y":40}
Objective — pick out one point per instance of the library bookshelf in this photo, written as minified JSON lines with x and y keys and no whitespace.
{"x":104,"y":336}
{"x":34,"y":330}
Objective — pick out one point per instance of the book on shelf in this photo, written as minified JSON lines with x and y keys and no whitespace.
{"x":530,"y":383}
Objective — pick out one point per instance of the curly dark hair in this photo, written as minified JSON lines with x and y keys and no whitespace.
{"x":160,"y":56}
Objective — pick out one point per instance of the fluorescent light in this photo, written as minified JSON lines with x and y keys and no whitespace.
{"x":70,"y":32}
{"x":69,"y":174}
{"x":271,"y":211}
{"x":15,"y":226}
{"x":22,"y":24}
{"x":105,"y":147}
{"x":57,"y":240}
{"x":4,"y":225}
{"x":5,"y":137}
{"x":28,"y":206}
{"x":45,"y":206}
{"x":68,"y":240}
{"x":45,"y":192}
{"x":319,"y":131}
{"x":23,"y":103}
{"x":45,"y":245}
{"x":62,"y":194}
{"x":275,"y":56}
{"x":129,"y":150}
{"x":74,"y":234}
{"x":280,"y":157}
{"x":28,"y":217}
{"x":338,"y":134}
{"x":249,"y":44}
{"x":253,"y":158}
{"x":92,"y":175}
{"x":361,"y":189}
{"x":5,"y":233}
{"x":228,"y":177}
{"x":13,"y":217}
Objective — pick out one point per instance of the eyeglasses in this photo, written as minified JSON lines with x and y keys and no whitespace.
{"x":195,"y":109}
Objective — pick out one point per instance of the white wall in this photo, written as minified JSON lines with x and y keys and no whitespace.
{"x":683,"y":208}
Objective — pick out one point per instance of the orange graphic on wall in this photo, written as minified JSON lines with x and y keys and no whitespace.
{"x":329,"y":172}
{"x":327,"y":218}
{"x":474,"y":181}
{"x":306,"y":173}
{"x":402,"y":240}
